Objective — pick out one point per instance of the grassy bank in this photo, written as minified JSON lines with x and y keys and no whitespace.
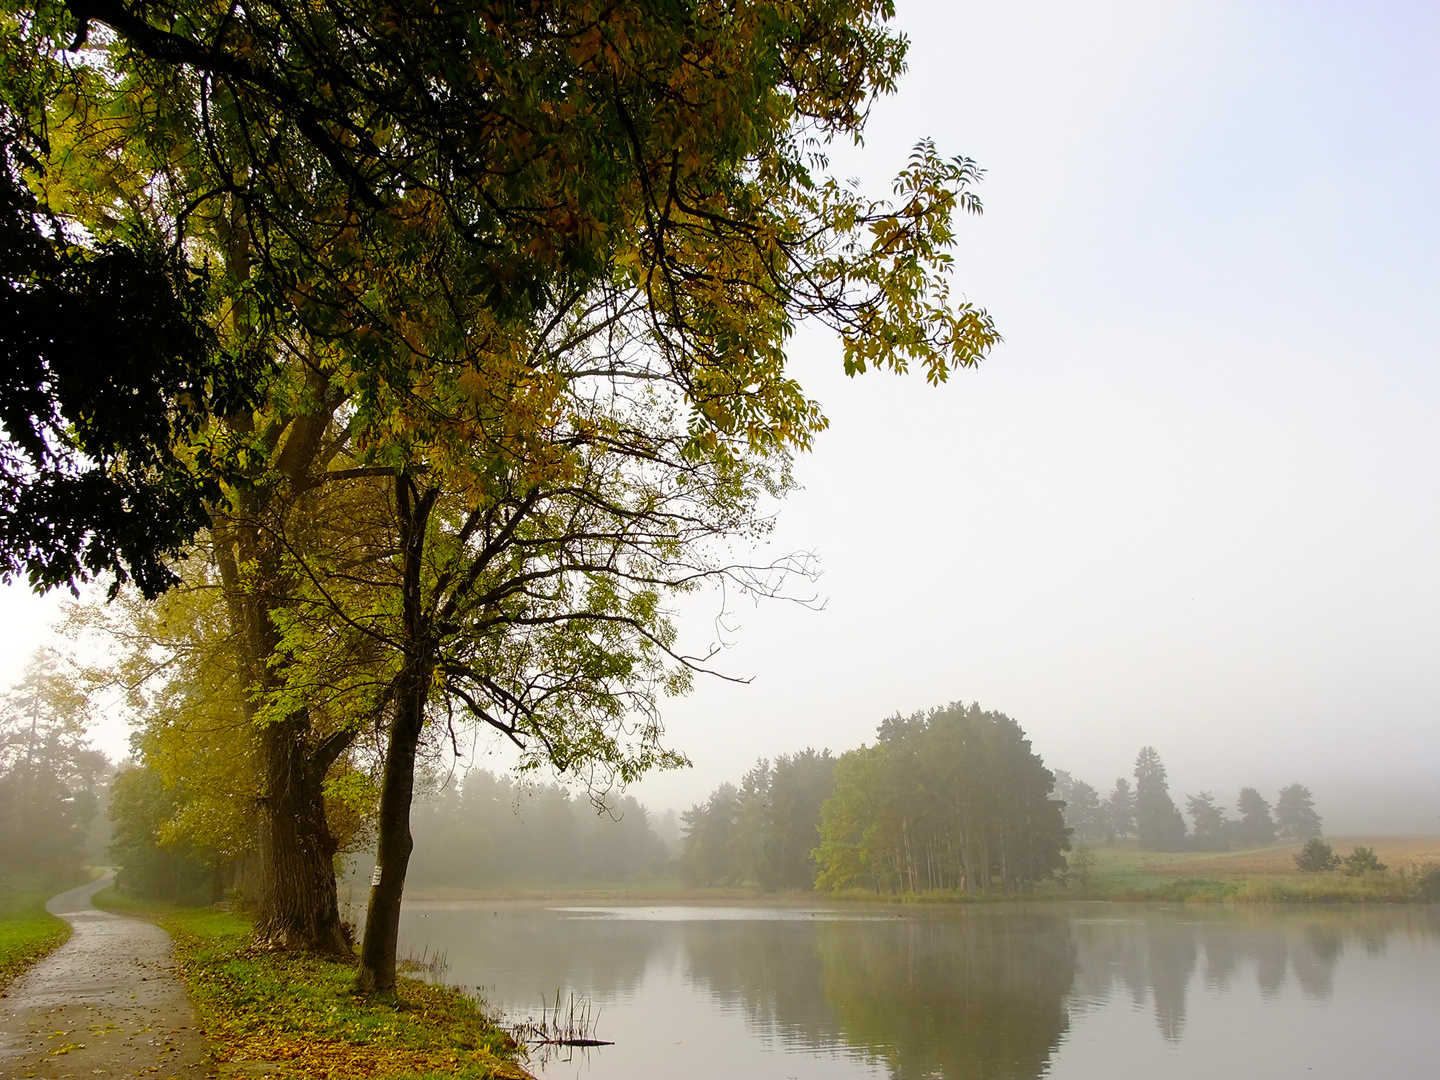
{"x":283,"y":1015}
{"x":27,"y":930}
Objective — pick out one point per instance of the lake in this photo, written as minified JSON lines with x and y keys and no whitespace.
{"x":701,"y":991}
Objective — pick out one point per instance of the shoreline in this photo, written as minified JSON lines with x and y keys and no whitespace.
{"x":1120,"y":873}
{"x":291,"y":1015}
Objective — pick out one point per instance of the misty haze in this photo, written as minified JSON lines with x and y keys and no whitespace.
{"x":719,"y":540}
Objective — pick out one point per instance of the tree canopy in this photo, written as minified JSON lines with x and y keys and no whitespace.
{"x":528,"y":274}
{"x":108,"y":366}
{"x":950,"y":799}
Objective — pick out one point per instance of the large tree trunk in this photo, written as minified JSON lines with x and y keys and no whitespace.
{"x":412,"y":692}
{"x":299,"y":903}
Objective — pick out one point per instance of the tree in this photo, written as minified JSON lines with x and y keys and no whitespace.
{"x":1210,"y":823}
{"x":1362,"y":861}
{"x":950,"y":799}
{"x":50,"y":778}
{"x":668,"y":159}
{"x":1158,"y":822}
{"x":1256,"y":827}
{"x":1120,"y":809}
{"x":799,"y":785}
{"x":107,"y":367}
{"x":764,"y":832}
{"x":709,"y":834}
{"x":1316,"y":857}
{"x":1295,"y":814}
{"x":151,"y":864}
{"x":1081,"y":864}
{"x":1084,"y":816}
{"x":487,"y":831}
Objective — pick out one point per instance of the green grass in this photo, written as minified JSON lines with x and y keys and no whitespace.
{"x":291,"y":1015}
{"x":27,"y":930}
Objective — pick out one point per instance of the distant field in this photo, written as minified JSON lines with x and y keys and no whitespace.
{"x":1397,"y":852}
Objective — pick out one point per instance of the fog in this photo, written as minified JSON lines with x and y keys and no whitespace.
{"x":1193,"y":500}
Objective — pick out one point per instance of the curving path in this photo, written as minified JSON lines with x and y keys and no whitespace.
{"x":108,"y":1002}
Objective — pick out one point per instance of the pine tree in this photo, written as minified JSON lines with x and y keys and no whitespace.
{"x":1209,"y":820}
{"x":1157,"y":820}
{"x":1257,"y":827}
{"x":1120,"y":810}
{"x":1295,"y":814}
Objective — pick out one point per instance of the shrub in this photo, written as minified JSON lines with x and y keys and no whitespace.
{"x":1316,"y":856}
{"x":1363,"y":861}
{"x":1081,"y":862}
{"x":1427,"y":886}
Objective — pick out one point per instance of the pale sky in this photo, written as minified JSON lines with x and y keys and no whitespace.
{"x":1193,"y":499}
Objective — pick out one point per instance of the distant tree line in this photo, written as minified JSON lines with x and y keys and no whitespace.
{"x":952,"y":799}
{"x":763,"y":832}
{"x":53,"y":784}
{"x":490,"y":830}
{"x":482,"y":832}
{"x":1147,"y":812}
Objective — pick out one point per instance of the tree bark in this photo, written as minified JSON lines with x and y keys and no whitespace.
{"x":299,"y":906}
{"x":392,"y":858}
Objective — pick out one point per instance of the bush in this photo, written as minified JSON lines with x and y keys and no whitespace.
{"x":1363,"y":861}
{"x":1316,"y":856}
{"x":1081,"y":863}
{"x":1427,"y":886}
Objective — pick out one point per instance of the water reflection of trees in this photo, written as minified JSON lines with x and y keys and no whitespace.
{"x":1153,"y":953}
{"x":985,"y":991}
{"x":516,"y":953}
{"x":973,"y":994}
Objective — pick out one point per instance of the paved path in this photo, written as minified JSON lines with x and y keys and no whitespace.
{"x":108,"y":1002}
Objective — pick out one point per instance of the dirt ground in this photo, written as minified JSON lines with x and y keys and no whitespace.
{"x":108,"y":1002}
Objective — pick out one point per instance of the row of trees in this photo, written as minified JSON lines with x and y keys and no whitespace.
{"x":429,"y":349}
{"x":950,"y":799}
{"x":1148,"y":812}
{"x":487,"y":830}
{"x":764,"y":831}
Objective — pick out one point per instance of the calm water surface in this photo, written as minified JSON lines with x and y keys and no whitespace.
{"x":1068,"y":991}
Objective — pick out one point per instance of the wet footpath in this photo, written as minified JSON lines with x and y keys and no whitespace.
{"x":109,"y":1002}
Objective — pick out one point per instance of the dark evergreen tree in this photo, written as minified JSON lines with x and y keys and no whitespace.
{"x":1295,"y":814}
{"x":763,"y":833}
{"x":1157,"y":820}
{"x":1210,"y":822}
{"x":1120,"y":810}
{"x":709,"y":838}
{"x":1256,"y":828}
{"x":799,"y":785}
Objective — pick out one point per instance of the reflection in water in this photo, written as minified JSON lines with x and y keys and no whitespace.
{"x":981,"y":997}
{"x":978,"y":997}
{"x":1151,"y":954}
{"x":992,"y":991}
